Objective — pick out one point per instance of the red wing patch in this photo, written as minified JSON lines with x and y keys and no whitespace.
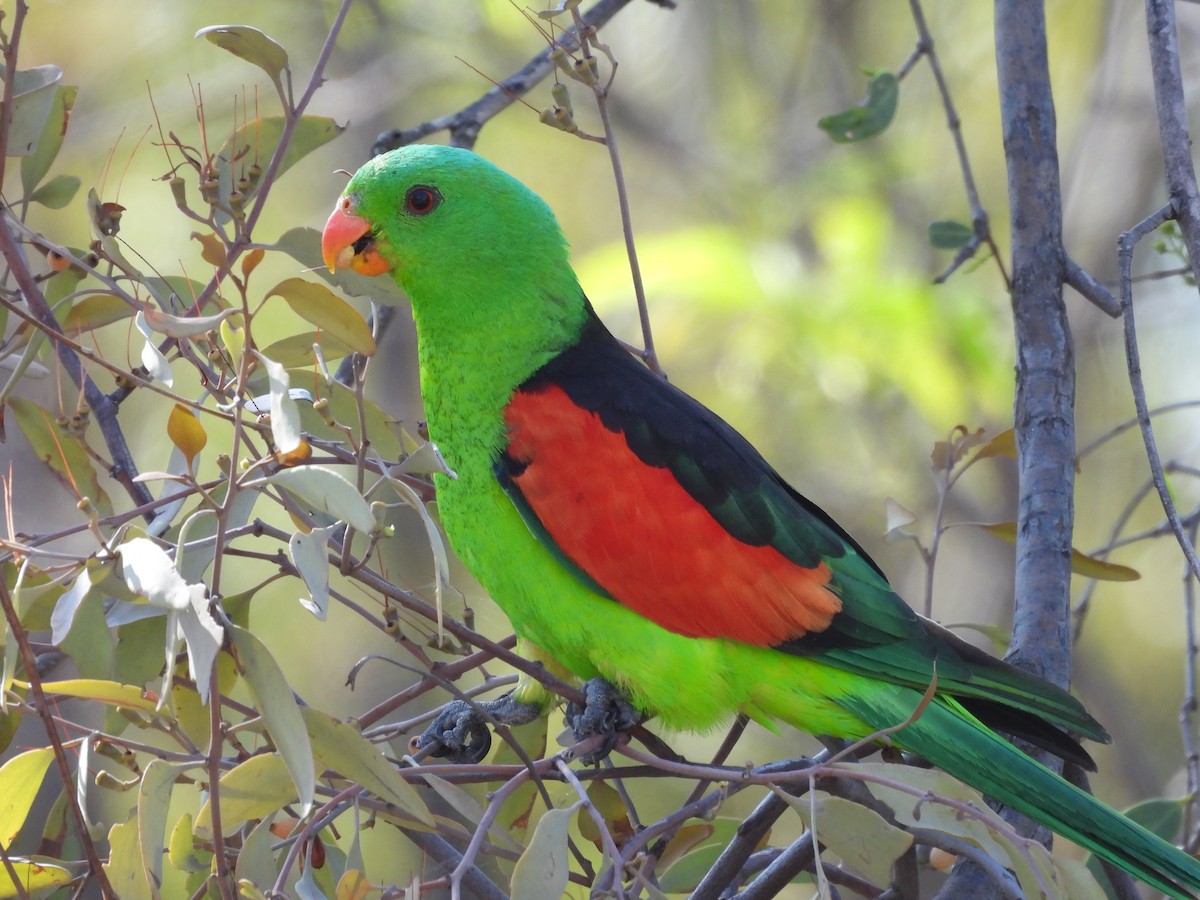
{"x":639,"y":534}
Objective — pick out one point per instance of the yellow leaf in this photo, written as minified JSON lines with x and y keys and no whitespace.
{"x":1003,"y":444}
{"x":186,"y":432}
{"x":1081,"y":563}
{"x":20,"y":779}
{"x":251,"y":790}
{"x":353,"y":885}
{"x":320,"y":306}
{"x":110,"y":692}
{"x":213,"y":251}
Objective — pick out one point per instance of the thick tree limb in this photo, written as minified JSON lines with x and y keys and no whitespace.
{"x":1044,"y":409}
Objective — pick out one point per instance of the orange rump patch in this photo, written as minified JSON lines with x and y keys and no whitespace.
{"x":639,"y":534}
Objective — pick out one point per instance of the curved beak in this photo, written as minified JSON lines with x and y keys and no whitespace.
{"x":348,"y":242}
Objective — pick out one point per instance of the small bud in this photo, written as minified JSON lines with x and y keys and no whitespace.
{"x":178,"y":192}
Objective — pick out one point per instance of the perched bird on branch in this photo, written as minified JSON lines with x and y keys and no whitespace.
{"x":638,"y":541}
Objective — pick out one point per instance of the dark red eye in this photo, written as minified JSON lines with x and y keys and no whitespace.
{"x":421,"y":200}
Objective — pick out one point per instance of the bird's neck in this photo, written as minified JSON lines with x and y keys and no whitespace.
{"x":477,"y":344}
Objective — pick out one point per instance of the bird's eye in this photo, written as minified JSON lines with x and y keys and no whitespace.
{"x":421,"y":200}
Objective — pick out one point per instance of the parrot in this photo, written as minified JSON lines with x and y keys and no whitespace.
{"x":636,"y":540}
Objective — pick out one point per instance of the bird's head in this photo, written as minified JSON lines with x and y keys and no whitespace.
{"x":441,"y":219}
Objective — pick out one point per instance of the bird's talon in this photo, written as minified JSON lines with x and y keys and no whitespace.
{"x":461,"y":732}
{"x":605,"y":713}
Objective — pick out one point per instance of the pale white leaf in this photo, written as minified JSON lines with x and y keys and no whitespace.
{"x":899,"y":517}
{"x":156,"y":364}
{"x":67,"y":605}
{"x":425,"y":460}
{"x":285,"y":414}
{"x":149,"y":571}
{"x":184,"y":326}
{"x":326,"y":490}
{"x":203,"y":637}
{"x":309,"y":554}
{"x":174,"y":486}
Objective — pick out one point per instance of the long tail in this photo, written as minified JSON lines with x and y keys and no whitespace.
{"x":951,"y":739}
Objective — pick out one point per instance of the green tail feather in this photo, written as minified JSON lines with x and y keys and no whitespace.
{"x":951,"y":739}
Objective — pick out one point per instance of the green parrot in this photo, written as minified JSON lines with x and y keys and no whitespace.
{"x":633,"y":537}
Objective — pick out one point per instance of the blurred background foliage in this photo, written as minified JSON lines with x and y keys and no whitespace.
{"x":790,"y":278}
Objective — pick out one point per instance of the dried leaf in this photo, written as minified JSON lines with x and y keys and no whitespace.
{"x":213,"y":249}
{"x":1003,"y":444}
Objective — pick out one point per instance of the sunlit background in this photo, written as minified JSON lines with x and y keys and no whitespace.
{"x":790,"y":278}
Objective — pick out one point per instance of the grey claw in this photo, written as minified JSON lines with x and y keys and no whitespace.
{"x":604,"y":712}
{"x":461,"y":734}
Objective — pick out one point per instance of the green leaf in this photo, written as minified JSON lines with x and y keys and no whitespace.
{"x":255,"y":861}
{"x":860,"y":836}
{"x":319,"y":306}
{"x":869,"y":118}
{"x":296,"y":351}
{"x":341,"y":748}
{"x":64,"y":454}
{"x":35,"y":166}
{"x":33,"y":99}
{"x":154,"y":800}
{"x":542,"y":871}
{"x":925,"y":812}
{"x":255,"y":142}
{"x":57,"y":192}
{"x":125,"y":870}
{"x":249,"y":44}
{"x":95,"y":311}
{"x":20,"y":779}
{"x":275,"y":701}
{"x":251,"y":790}
{"x":946,"y":234}
{"x":304,"y":245}
{"x":182,"y":853}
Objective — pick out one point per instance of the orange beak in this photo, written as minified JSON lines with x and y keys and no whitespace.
{"x":348,"y":242}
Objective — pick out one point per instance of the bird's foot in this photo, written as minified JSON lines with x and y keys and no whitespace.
{"x":604,"y":712}
{"x":461,"y":734}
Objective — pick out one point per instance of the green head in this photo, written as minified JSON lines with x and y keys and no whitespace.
{"x":473,"y":247}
